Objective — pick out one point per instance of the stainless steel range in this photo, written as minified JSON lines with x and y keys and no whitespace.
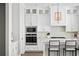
{"x":31,"y":35}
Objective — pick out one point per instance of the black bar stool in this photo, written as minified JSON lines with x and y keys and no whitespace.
{"x":54,"y":46}
{"x":70,"y":46}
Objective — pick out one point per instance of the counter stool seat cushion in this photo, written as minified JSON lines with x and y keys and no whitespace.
{"x":70,"y":49}
{"x":54,"y":49}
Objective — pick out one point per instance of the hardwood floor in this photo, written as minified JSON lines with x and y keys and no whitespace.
{"x":33,"y":53}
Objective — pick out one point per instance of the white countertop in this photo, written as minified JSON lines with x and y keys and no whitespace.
{"x":61,"y":40}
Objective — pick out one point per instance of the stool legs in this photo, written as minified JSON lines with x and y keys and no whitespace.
{"x":75,"y":52}
{"x":58,"y":53}
{"x":48,"y":52}
{"x":72,"y":53}
{"x":64,"y":53}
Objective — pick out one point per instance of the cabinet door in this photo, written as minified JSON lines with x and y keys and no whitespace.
{"x":43,"y":17}
{"x":28,"y":17}
{"x":58,"y":15}
{"x":40,"y":46}
{"x":68,"y":23}
{"x":31,"y":17}
{"x":34,"y":17}
{"x":75,"y":24}
{"x":71,"y":20}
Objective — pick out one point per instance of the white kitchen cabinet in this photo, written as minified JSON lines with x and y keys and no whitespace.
{"x":32,"y":48}
{"x":34,"y":19}
{"x":72,"y":20}
{"x":58,"y":16}
{"x":43,"y":17}
{"x":28,"y":20}
{"x":31,"y":16}
{"x":42,"y":37}
{"x":40,"y":46}
{"x":40,"y":43}
{"x":37,"y":47}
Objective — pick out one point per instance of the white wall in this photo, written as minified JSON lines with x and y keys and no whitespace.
{"x":22,"y":28}
{"x":18,"y":27}
{"x":15,"y":20}
{"x":15,"y":25}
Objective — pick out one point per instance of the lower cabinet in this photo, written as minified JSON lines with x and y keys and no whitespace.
{"x":38,"y":47}
{"x":41,"y":38}
{"x":32,"y":48}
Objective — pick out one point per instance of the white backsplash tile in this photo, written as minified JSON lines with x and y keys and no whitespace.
{"x":56,"y":32}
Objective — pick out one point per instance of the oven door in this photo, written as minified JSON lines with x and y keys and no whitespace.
{"x":31,"y":39}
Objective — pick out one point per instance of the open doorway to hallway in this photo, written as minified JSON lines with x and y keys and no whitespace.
{"x":2,"y":29}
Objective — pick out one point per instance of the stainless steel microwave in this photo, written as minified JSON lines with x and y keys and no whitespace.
{"x":32,"y":29}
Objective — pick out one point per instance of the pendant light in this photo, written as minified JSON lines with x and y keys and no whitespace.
{"x":57,"y":14}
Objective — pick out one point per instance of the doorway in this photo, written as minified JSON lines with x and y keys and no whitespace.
{"x":2,"y":29}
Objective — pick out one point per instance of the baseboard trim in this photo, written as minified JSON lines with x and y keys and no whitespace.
{"x":34,"y":51}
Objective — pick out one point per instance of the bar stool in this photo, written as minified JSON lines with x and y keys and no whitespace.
{"x":70,"y":46}
{"x":54,"y":46}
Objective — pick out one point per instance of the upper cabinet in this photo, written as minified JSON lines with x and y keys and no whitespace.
{"x":43,"y":18}
{"x":58,"y":15}
{"x":31,"y":16}
{"x":72,"y":19}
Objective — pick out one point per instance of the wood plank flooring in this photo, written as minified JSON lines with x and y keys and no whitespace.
{"x":33,"y":53}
